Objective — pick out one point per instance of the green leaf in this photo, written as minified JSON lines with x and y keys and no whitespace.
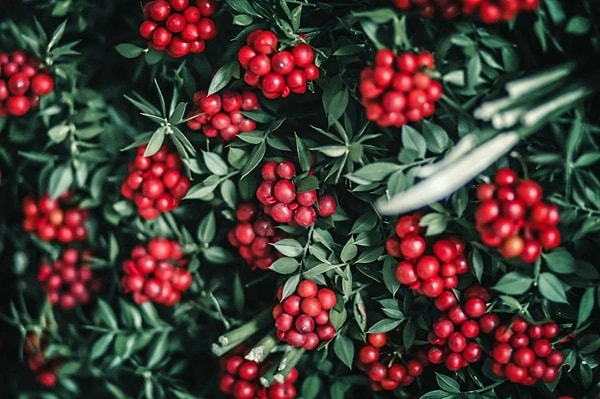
{"x":340,"y":103}
{"x":349,"y":251}
{"x":177,"y":114}
{"x":343,"y":348}
{"x":477,"y":264}
{"x":311,"y":387}
{"x":560,"y":261}
{"x":130,"y":315}
{"x":552,"y":288}
{"x":304,"y":156}
{"x":578,"y":25}
{"x":460,"y":200}
{"x":413,"y":140}
{"x":437,"y":394}
{"x":229,"y":193}
{"x":106,"y":314}
{"x":101,"y":345}
{"x":586,"y":305}
{"x":257,"y":155}
{"x":214,"y":163}
{"x":447,"y":383}
{"x":385,"y":325}
{"x":307,"y":183}
{"x":242,"y":20}
{"x":61,"y":179}
{"x":389,"y":275}
{"x":201,"y":191}
{"x":289,"y":247}
{"x":435,"y":223}
{"x":207,"y":229}
{"x":158,"y":350}
{"x":436,"y":137}
{"x":59,"y":132}
{"x":290,"y":286}
{"x":222,"y":77}
{"x":285,"y":265}
{"x":376,"y":171}
{"x":218,"y":255}
{"x":129,"y":50}
{"x":156,"y":141}
{"x":513,"y":283}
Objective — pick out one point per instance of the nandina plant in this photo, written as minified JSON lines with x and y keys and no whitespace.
{"x":299,"y":199}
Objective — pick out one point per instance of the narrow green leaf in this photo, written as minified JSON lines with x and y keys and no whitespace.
{"x":257,"y":155}
{"x":343,"y":348}
{"x":214,"y":163}
{"x":60,"y":180}
{"x":513,"y":283}
{"x":156,"y":141}
{"x":586,"y":305}
{"x":385,"y":325}
{"x":552,"y":288}
{"x":222,"y":77}
{"x":447,"y":383}
{"x":285,"y":265}
{"x":207,"y":229}
{"x":129,"y":50}
{"x":289,"y":247}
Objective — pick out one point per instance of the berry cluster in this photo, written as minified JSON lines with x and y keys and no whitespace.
{"x":453,"y":335}
{"x":523,"y":352}
{"x":23,"y":81}
{"x":490,"y":11}
{"x":222,"y":115}
{"x":276,"y":73}
{"x":398,"y":88}
{"x":53,"y":219}
{"x":179,"y":27}
{"x":302,"y":319}
{"x":69,"y":280}
{"x":43,"y":368}
{"x":513,"y":218}
{"x":240,"y":378}
{"x":386,"y":370}
{"x":155,"y":183}
{"x":156,"y":272}
{"x":253,"y":236}
{"x":428,"y":275}
{"x":277,"y":193}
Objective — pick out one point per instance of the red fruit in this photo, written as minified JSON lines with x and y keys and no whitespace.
{"x":456,"y":342}
{"x":368,"y":354}
{"x":377,"y":340}
{"x":284,"y":322}
{"x":502,"y":353}
{"x":285,"y":170}
{"x":445,"y":300}
{"x":407,"y":62}
{"x":444,"y":250}
{"x":454,"y":361}
{"x":443,"y":328}
{"x":326,"y":298}
{"x":457,"y":315}
{"x":515,"y":373}
{"x":245,"y":54}
{"x":161,"y":37}
{"x":18,"y":105}
{"x":160,"y":248}
{"x":282,"y":63}
{"x":470,"y":328}
{"x":412,"y":246}
{"x":18,"y":84}
{"x":265,"y":42}
{"x":312,"y":72}
{"x":273,"y":82}
{"x":159,"y":10}
{"x":555,"y":358}
{"x":505,"y":177}
{"x":377,"y":371}
{"x":393,"y":101}
{"x":281,"y":213}
{"x":487,"y":211}
{"x":243,"y":390}
{"x":248,"y":370}
{"x":474,"y":307}
{"x":182,"y":280}
{"x":303,"y":55}
{"x":310,"y":306}
{"x":551,"y":330}
{"x":405,"y":273}
{"x":435,"y":355}
{"x":529,"y":192}
{"x":472,"y":352}
{"x":327,"y":205}
{"x":550,"y":238}
{"x":326,"y":332}
{"x":427,"y":267}
{"x":175,"y":23}
{"x":432,"y":287}
{"x":524,"y":357}
{"x":488,"y":323}
{"x":207,"y":30}
{"x":307,"y":288}
{"x":531,"y":250}
{"x":295,"y":338}
{"x":284,"y":191}
{"x":382,"y":76}
{"x":512,"y":247}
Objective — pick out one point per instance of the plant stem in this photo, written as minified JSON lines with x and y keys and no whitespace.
{"x":287,"y":363}
{"x":262,"y":349}
{"x":233,"y":338}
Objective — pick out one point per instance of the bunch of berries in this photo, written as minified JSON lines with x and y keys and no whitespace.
{"x":222,"y":115}
{"x":490,"y":11}
{"x":523,"y":352}
{"x":43,"y":368}
{"x":302,"y":319}
{"x":513,"y":218}
{"x":155,"y":183}
{"x":69,"y":280}
{"x":276,"y":73}
{"x":386,"y":370}
{"x":277,"y":193}
{"x":23,"y":80}
{"x":398,"y":88}
{"x":253,"y":236}
{"x":156,"y":272}
{"x":454,"y":332}
{"x":179,"y":27}
{"x":53,"y":219}
{"x":240,"y":378}
{"x":428,"y":275}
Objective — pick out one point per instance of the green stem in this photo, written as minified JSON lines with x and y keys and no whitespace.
{"x":287,"y":363}
{"x":520,"y":87}
{"x":487,"y":388}
{"x":263,"y":348}
{"x":233,"y":338}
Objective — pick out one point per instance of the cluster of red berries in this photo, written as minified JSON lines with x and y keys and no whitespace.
{"x":276,"y":73}
{"x":43,"y":368}
{"x":222,"y":115}
{"x":23,"y":80}
{"x":513,"y":218}
{"x":156,"y":272}
{"x":428,"y":275}
{"x":453,"y":335}
{"x":523,"y":352}
{"x":156,"y":184}
{"x":398,"y":88}
{"x":490,"y":11}
{"x":52,"y":219}
{"x":385,"y":370}
{"x":240,"y":378}
{"x":302,"y":319}
{"x":69,"y":280}
{"x":277,"y":193}
{"x":253,"y":236}
{"x":178,"y":27}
